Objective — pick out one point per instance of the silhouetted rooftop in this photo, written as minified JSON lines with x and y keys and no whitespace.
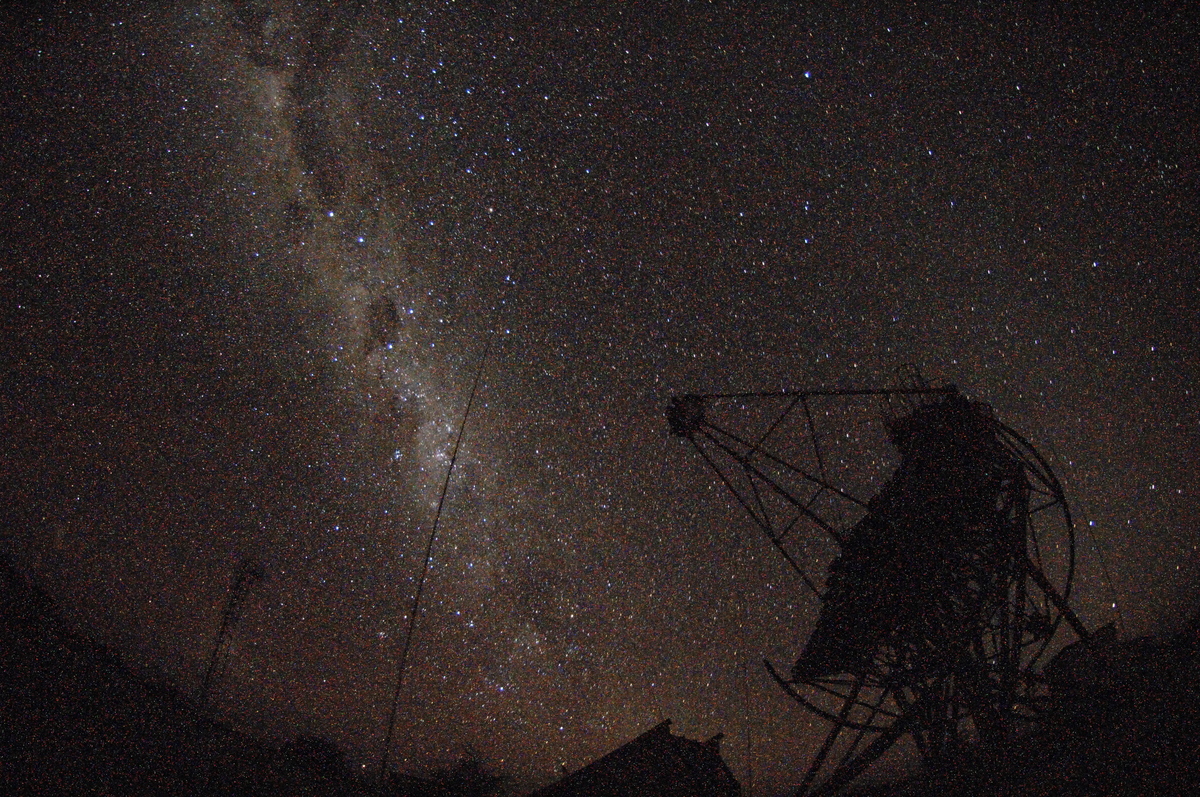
{"x":655,"y":763}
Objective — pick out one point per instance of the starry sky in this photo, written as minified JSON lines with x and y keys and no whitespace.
{"x":256,"y":253}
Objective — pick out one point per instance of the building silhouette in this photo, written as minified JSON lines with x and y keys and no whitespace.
{"x":656,"y":763}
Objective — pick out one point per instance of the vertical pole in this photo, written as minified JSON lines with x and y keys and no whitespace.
{"x":416,"y":604}
{"x":246,"y":575}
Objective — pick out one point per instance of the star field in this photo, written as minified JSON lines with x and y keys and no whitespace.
{"x":257,"y":251}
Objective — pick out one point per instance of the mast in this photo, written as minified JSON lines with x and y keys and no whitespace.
{"x":402,"y":665}
{"x":247,"y":574}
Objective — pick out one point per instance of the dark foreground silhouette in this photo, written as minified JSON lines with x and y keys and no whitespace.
{"x":1123,"y":719}
{"x":75,"y":720}
{"x":655,"y":763}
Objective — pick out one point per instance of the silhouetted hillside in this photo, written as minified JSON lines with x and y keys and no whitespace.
{"x":75,"y":720}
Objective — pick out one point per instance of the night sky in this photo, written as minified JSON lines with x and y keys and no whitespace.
{"x":255,"y":254}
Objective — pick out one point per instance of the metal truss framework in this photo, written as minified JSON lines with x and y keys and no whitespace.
{"x":947,"y":588}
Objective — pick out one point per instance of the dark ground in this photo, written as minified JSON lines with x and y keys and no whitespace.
{"x":75,"y":719}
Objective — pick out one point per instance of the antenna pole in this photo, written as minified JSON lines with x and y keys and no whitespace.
{"x":246,"y":575}
{"x":416,"y":604}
